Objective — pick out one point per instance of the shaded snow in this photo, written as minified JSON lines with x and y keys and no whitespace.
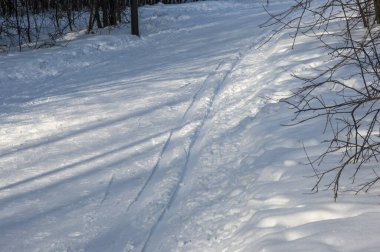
{"x":167,"y":143}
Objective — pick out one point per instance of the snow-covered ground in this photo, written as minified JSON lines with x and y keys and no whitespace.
{"x":167,"y":142}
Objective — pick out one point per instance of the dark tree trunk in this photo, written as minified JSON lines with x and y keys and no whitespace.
{"x":105,"y":11}
{"x":377,"y":10}
{"x":135,"y":18}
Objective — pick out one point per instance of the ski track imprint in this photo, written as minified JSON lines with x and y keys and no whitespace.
{"x":216,"y":80}
{"x":161,"y":186}
{"x":204,"y":98}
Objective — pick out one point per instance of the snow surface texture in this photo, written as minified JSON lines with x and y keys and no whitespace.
{"x":167,"y":143}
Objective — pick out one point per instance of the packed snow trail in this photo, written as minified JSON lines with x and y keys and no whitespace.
{"x":115,"y":136}
{"x":166,"y":142}
{"x":174,"y":158}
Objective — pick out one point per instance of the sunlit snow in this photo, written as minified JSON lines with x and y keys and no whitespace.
{"x":168,"y":142}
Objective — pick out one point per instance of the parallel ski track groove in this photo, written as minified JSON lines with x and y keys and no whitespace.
{"x":163,"y":150}
{"x":188,"y":153}
{"x":155,"y":168}
{"x":108,"y":188}
{"x":234,"y":62}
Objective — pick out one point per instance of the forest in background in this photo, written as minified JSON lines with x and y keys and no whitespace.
{"x":39,"y":23}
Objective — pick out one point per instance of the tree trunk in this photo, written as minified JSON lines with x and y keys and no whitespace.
{"x":105,"y":11}
{"x":135,"y":18}
{"x":377,"y":10}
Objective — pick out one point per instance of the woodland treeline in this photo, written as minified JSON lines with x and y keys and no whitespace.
{"x":31,"y":21}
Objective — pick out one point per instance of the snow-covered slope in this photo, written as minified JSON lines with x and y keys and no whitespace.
{"x":168,"y":142}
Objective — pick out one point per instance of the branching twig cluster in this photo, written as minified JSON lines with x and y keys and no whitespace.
{"x":347,"y":92}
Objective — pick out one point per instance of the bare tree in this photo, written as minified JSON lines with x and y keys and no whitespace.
{"x":349,"y":32}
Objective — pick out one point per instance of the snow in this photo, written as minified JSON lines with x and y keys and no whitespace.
{"x":167,"y":142}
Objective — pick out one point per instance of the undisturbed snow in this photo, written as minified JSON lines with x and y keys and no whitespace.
{"x":167,"y":142}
